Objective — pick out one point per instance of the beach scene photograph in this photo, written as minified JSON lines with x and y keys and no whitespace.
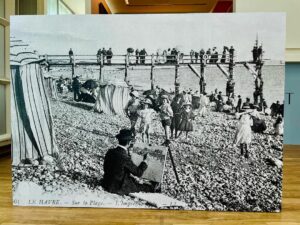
{"x":158,"y":111}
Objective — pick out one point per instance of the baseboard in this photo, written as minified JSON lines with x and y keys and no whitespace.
{"x":291,"y":147}
{"x":5,"y":150}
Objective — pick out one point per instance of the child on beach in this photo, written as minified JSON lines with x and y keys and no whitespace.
{"x":146,"y":115}
{"x":243,"y":134}
{"x":166,"y":114}
{"x":278,"y":126}
{"x":187,"y":116}
{"x":132,"y":108}
{"x":204,"y":102}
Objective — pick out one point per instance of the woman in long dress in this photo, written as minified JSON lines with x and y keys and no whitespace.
{"x":243,"y":134}
{"x":176,"y":107}
{"x":187,"y":116}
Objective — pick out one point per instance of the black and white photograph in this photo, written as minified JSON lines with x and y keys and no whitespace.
{"x":158,"y":111}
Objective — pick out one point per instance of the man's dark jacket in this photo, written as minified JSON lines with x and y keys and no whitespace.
{"x":76,"y":84}
{"x":117,"y":169}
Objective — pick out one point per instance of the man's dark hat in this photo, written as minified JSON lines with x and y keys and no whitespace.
{"x":125,"y":134}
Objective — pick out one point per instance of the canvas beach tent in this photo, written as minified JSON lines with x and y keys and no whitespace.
{"x":51,"y":87}
{"x":32,"y":126}
{"x":112,"y":98}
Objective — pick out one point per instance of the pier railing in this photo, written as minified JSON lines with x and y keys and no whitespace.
{"x":130,"y":59}
{"x":225,"y":62}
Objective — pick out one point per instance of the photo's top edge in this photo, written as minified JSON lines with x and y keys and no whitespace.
{"x":159,"y":14}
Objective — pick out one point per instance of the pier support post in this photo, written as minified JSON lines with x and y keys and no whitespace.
{"x":126,"y":68}
{"x":259,"y":83}
{"x":230,"y":83}
{"x":177,"y":84}
{"x":48,"y":64}
{"x":151,"y":73}
{"x":73,"y":67}
{"x":100,"y":69}
{"x":202,"y":76}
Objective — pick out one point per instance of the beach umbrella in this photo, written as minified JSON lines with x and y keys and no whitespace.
{"x":90,"y":84}
{"x":130,"y":50}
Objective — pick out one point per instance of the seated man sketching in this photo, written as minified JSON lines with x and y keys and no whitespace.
{"x":118,"y":168}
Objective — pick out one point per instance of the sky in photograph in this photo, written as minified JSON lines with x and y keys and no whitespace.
{"x":86,"y":34}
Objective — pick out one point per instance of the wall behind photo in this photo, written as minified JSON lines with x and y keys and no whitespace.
{"x":292,"y":107}
{"x":292,"y":81}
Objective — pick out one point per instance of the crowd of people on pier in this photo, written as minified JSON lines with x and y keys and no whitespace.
{"x":105,"y":54}
{"x":170,"y":55}
{"x":173,"y":55}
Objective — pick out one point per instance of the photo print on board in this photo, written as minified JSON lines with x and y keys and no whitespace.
{"x":181,"y":111}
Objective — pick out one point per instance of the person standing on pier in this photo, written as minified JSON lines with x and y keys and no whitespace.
{"x":174,"y":55}
{"x":216,"y":56}
{"x":137,"y":56}
{"x":99,"y":56}
{"x":71,"y":55}
{"x":165,"y":56}
{"x":166,"y":114}
{"x":255,"y":53}
{"x":76,"y":88}
{"x":259,"y":53}
{"x":192,"y":54}
{"x":201,"y":54}
{"x":212,"y":57}
{"x":143,"y":55}
{"x":109,"y":55}
{"x":208,"y":53}
{"x":223,"y":58}
{"x":196,"y":56}
{"x":231,"y":53}
{"x":103,"y":52}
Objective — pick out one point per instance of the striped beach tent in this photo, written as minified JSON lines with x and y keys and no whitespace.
{"x":32,"y":125}
{"x":51,"y":87}
{"x":112,"y":98}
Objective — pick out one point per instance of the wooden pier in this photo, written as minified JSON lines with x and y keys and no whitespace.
{"x":225,"y":62}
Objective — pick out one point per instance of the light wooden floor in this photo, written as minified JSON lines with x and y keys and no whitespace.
{"x":290,"y":214}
